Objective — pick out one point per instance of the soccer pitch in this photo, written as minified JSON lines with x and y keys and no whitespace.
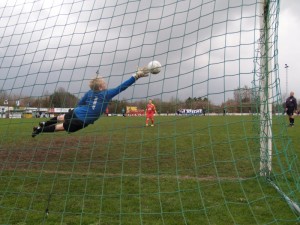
{"x":184,"y":170}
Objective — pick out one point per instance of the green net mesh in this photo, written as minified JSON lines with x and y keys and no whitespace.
{"x":219,"y":152}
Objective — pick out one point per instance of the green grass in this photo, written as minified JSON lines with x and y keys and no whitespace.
{"x":185,"y":170}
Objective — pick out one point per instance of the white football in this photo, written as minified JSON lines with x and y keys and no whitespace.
{"x":154,"y":67}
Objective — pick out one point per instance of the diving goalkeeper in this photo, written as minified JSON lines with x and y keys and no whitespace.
{"x":90,"y":107}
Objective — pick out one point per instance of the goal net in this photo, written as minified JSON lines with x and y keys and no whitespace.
{"x":219,"y":151}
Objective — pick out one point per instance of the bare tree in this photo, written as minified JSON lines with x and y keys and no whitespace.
{"x":63,"y":99}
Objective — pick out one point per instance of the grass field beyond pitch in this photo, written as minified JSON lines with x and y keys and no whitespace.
{"x":184,"y":170}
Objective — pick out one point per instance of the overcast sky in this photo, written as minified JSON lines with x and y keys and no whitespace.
{"x":289,"y":46}
{"x":45,"y":45}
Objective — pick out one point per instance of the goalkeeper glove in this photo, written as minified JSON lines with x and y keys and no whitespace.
{"x":141,"y":72}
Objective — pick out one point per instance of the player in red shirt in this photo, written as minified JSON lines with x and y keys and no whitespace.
{"x":150,"y":112}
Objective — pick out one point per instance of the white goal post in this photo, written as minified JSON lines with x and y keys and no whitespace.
{"x":265,"y":93}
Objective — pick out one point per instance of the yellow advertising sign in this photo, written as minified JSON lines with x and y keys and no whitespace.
{"x":131,"y":108}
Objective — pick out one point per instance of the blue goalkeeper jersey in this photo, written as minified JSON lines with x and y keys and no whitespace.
{"x":93,"y":103}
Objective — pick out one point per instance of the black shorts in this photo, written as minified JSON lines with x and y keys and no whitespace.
{"x":290,"y":111}
{"x":72,"y":123}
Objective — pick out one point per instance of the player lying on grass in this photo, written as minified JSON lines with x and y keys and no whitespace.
{"x":90,"y":107}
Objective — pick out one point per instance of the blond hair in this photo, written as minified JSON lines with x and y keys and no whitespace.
{"x":97,"y":84}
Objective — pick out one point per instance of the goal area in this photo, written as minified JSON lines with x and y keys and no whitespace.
{"x":219,"y":151}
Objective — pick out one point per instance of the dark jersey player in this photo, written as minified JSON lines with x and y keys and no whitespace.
{"x":90,"y":107}
{"x":291,"y":107}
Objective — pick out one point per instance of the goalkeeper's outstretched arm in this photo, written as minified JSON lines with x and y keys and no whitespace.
{"x":141,"y":72}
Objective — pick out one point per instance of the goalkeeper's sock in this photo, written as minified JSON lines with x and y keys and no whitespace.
{"x":51,"y":121}
{"x":49,"y":129}
{"x":292,"y":121}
